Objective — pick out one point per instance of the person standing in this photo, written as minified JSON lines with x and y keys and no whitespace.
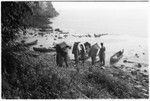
{"x":65,"y":55}
{"x":61,"y":55}
{"x":102,"y":54}
{"x":82,"y":53}
{"x":59,"y":59}
{"x":75,"y":51}
{"x":93,"y":52}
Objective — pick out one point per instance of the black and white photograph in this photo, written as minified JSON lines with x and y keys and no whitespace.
{"x":75,"y":50}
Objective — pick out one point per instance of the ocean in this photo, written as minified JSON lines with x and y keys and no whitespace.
{"x":125,"y":23}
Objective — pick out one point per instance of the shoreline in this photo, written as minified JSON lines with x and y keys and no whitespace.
{"x":121,"y":73}
{"x":83,"y":80}
{"x":49,"y":38}
{"x":132,"y":62}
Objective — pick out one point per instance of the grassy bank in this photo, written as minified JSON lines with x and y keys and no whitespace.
{"x":35,"y":75}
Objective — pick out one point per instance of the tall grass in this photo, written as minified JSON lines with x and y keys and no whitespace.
{"x":114,"y":85}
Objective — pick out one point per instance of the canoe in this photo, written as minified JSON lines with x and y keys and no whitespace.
{"x":41,"y":49}
{"x":116,"y":57}
{"x":59,"y":37}
{"x":31,"y":43}
{"x":97,"y":35}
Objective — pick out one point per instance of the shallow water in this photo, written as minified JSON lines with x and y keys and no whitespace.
{"x":126,"y":25}
{"x":125,"y":29}
{"x":113,"y":44}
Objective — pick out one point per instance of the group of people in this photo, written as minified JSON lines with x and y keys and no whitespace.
{"x":81,"y":53}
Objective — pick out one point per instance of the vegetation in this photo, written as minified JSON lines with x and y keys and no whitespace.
{"x":19,"y":15}
{"x":18,"y":80}
{"x":30,"y":75}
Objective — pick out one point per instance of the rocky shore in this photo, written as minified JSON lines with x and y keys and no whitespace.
{"x":73,"y":82}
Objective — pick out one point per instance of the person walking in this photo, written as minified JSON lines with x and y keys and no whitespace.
{"x":102,"y":54}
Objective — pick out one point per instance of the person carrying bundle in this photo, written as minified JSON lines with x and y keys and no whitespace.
{"x":62,"y":54}
{"x":76,"y":52}
{"x":93,"y":52}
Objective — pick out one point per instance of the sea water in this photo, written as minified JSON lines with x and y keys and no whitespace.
{"x":126,"y":26}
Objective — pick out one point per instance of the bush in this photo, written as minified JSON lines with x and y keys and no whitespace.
{"x":117,"y":86}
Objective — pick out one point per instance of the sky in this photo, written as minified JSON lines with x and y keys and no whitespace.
{"x":107,"y":0}
{"x":101,"y":5}
{"x":127,"y":16}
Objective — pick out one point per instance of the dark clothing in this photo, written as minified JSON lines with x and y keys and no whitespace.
{"x":65,"y":56}
{"x":75,"y":51}
{"x":61,"y":56}
{"x":93,"y":52}
{"x":59,"y":59}
{"x":102,"y":55}
{"x":82,"y":52}
{"x":93,"y":60}
{"x":102,"y":59}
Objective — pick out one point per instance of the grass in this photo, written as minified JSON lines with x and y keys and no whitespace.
{"x":30,"y":81}
{"x":114,"y":85}
{"x":38,"y":77}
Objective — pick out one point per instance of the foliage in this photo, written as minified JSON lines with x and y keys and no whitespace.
{"x":30,"y":81}
{"x":120,"y":88}
{"x":19,"y":15}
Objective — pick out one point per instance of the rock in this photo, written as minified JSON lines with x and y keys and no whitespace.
{"x":123,"y":77}
{"x":147,"y":80}
{"x":102,"y":67}
{"x":122,"y":66}
{"x":139,"y":65}
{"x":31,"y":33}
{"x":145,"y":75}
{"x":125,"y":61}
{"x":138,"y":82}
{"x":22,"y":41}
{"x":144,"y":83}
{"x":144,"y":90}
{"x":143,"y":95}
{"x":136,"y":55}
{"x":134,"y":72}
{"x":145,"y":70}
{"x":138,"y":87}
